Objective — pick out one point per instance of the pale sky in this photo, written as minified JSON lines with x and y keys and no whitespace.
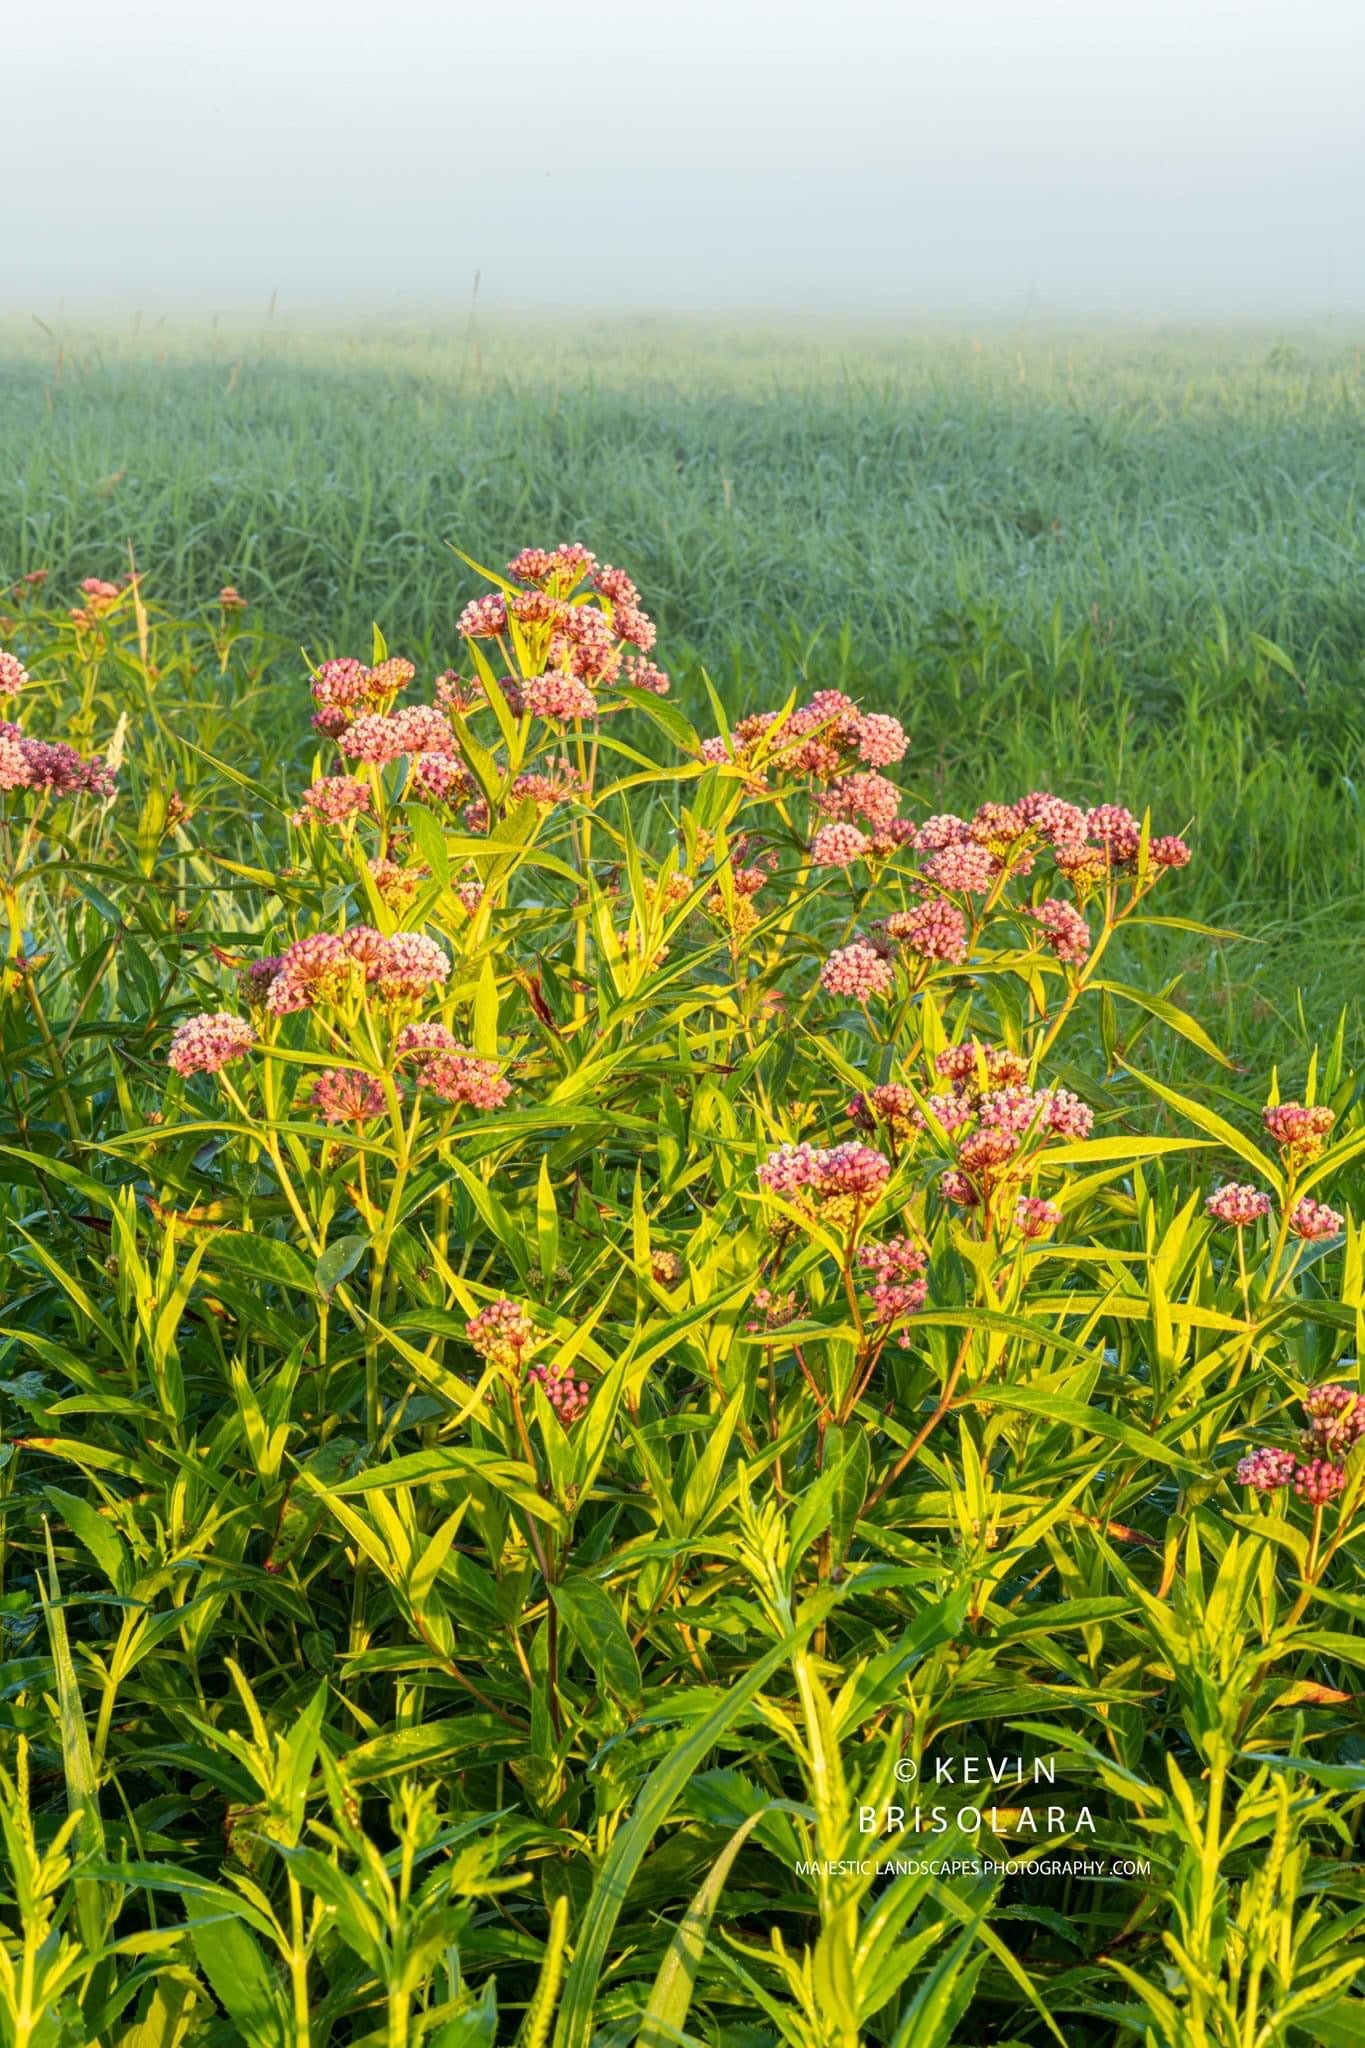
{"x":1198,"y":158}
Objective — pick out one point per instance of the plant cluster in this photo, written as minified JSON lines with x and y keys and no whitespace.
{"x":580,"y":1297}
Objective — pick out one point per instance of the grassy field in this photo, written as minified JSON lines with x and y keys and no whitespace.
{"x":1125,"y":566}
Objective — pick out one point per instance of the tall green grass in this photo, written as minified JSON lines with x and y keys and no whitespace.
{"x":1126,"y":566}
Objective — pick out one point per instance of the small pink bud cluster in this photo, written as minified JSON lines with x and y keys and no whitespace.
{"x":208,"y":1043}
{"x":775,"y":1310}
{"x":822,"y":739}
{"x":566,"y":1395}
{"x":858,"y":970}
{"x":345,"y":690}
{"x":14,"y":676}
{"x":343,"y":1095}
{"x":1013,"y":1125}
{"x":868,"y":796}
{"x":325,"y":967}
{"x":557,"y":781}
{"x":1335,"y":1423}
{"x":898,"y":1288}
{"x":502,"y":1333}
{"x":1312,"y":1220}
{"x":558,"y":697}
{"x":49,"y":766}
{"x":1064,"y":929}
{"x":838,"y":846}
{"x":1299,"y":1131}
{"x":380,"y":736}
{"x":934,"y":930}
{"x":1238,"y":1204}
{"x":890,"y":1103}
{"x":797,"y":1172}
{"x":337,"y":799}
{"x":1034,"y":1218}
{"x":451,"y":1070}
{"x":483,"y":618}
{"x":99,"y":597}
{"x":964,"y":867}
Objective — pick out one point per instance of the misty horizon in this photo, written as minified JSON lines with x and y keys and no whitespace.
{"x":1184,"y":160}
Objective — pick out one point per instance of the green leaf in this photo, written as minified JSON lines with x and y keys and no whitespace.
{"x":240,"y":1981}
{"x":1170,"y":1014}
{"x":590,"y":1615}
{"x":671,"y":1996}
{"x":261,"y":1258}
{"x":90,"y":1528}
{"x":1217,"y":1127}
{"x":341,"y":1257}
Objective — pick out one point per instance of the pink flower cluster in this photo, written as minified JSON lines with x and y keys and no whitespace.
{"x":1086,"y":846}
{"x":14,"y":677}
{"x":807,"y":1173}
{"x":378,"y":736}
{"x":343,"y":1095}
{"x":451,"y":1070}
{"x":898,"y":1288}
{"x":1034,"y":1218}
{"x":326,"y":967}
{"x":209,"y":1042}
{"x":859,"y":971}
{"x":49,"y":766}
{"x":334,"y":799}
{"x":822,"y":739}
{"x":932,"y":930}
{"x":1065,"y":930}
{"x":1300,"y":1132}
{"x":1312,"y":1220}
{"x":345,"y":690}
{"x":99,"y":598}
{"x":559,"y":697}
{"x":1238,"y":1204}
{"x":997,"y":1134}
{"x":502,"y":1333}
{"x":890,"y":1104}
{"x":1335,"y":1422}
{"x":566,"y":1395}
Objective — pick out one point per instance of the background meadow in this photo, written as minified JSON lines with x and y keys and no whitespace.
{"x":573,"y":1289}
{"x":1137,"y":554}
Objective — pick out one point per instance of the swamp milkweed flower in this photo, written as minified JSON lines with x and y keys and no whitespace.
{"x":502,"y":1333}
{"x":1336,"y":1422}
{"x":898,"y":1288}
{"x":558,"y":697}
{"x":933,"y":930}
{"x":483,"y":618}
{"x":1034,"y":1217}
{"x":343,"y":1095}
{"x":838,"y":846}
{"x":1064,"y":929}
{"x":49,"y":766}
{"x":337,"y":799}
{"x":566,"y":1395}
{"x":1299,"y":1132}
{"x":1239,"y":1204}
{"x":858,"y":971}
{"x":825,"y":1174}
{"x":209,"y":1042}
{"x":1312,"y":1220}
